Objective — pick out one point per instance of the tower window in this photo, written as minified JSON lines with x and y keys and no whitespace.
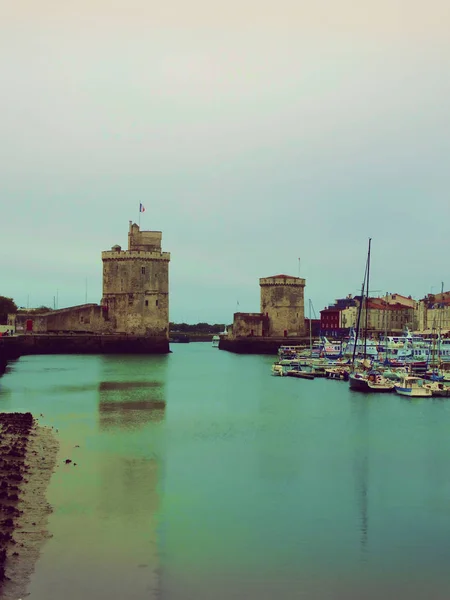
{"x":143,"y":270}
{"x":157,"y":303}
{"x":146,"y":303}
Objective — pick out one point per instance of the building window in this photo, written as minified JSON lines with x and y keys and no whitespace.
{"x":143,"y":270}
{"x":146,"y":303}
{"x":156,"y":302}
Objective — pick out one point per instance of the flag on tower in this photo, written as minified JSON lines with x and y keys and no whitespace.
{"x":141,"y":208}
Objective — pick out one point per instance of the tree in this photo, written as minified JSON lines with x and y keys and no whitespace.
{"x":40,"y":309}
{"x":7,"y":306}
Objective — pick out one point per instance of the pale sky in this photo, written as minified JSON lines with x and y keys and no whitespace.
{"x":254,"y":133}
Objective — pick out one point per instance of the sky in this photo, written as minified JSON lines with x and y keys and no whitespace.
{"x":254,"y":133}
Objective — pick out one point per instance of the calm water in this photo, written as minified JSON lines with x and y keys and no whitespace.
{"x":199,"y":476}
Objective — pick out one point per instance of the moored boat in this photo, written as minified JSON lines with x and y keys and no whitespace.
{"x":300,"y":374}
{"x":278,"y":370}
{"x":338,"y":373}
{"x":438,"y":389}
{"x":413,"y":387}
{"x":373,"y":381}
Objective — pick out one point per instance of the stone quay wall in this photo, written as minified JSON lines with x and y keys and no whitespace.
{"x":14,"y":347}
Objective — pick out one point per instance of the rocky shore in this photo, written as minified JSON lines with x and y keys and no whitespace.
{"x":27,"y":460}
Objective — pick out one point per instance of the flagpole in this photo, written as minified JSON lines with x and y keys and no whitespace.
{"x":139,"y":216}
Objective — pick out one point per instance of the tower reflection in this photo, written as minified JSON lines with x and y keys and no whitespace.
{"x":131,"y":392}
{"x":131,"y":413}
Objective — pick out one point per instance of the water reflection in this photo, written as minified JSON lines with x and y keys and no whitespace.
{"x":129,"y":488}
{"x":361,"y":409}
{"x":130,"y":405}
{"x":131,"y":393}
{"x":108,"y":506}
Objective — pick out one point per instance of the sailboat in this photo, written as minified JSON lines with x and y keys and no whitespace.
{"x":366,"y":379}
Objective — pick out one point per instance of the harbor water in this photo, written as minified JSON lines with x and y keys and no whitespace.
{"x":199,"y":475}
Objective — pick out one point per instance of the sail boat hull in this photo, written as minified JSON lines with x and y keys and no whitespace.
{"x":358,"y":384}
{"x":362,"y":384}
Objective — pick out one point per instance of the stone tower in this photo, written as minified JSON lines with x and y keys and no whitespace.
{"x":282,"y":300}
{"x":136,"y":285}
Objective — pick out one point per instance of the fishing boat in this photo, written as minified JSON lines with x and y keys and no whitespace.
{"x":278,"y":370}
{"x":373,"y":381}
{"x":338,"y":373}
{"x":319,"y":371}
{"x":289,"y":352}
{"x":438,"y":389}
{"x":215,"y":341}
{"x":413,"y":387}
{"x":300,"y":374}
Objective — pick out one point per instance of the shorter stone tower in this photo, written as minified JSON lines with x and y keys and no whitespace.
{"x":282,"y":300}
{"x":136,"y":285}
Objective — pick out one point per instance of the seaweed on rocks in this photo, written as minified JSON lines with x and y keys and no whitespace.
{"x":23,"y":480}
{"x":14,"y":430}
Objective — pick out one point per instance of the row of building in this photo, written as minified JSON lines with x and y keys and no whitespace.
{"x":392,"y":313}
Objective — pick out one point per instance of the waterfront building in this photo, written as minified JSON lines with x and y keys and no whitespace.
{"x":282,"y":310}
{"x":391,"y":313}
{"x":384,"y":316}
{"x":338,"y":319}
{"x":135,"y":299}
{"x":282,"y":302}
{"x":434,"y":314}
{"x":136,"y":285}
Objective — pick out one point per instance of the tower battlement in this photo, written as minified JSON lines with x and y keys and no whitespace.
{"x":282,"y":280}
{"x":134,"y":255}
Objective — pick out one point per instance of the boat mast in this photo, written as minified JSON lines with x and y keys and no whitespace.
{"x":310,"y":329}
{"x":440,"y":324}
{"x":358,"y":322}
{"x":386,"y":360}
{"x":367,"y":300}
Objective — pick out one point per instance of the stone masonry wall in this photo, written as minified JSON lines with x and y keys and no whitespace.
{"x":136,"y":291}
{"x":86,"y":318}
{"x":250,"y":324}
{"x":282,"y":300}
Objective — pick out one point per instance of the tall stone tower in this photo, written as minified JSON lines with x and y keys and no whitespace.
{"x":136,"y":285}
{"x":282,"y":300}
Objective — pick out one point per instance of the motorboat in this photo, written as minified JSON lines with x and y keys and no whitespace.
{"x":438,"y":389}
{"x":338,"y":373}
{"x":414,"y":387}
{"x":300,"y":374}
{"x":278,"y":370}
{"x":372,"y":381}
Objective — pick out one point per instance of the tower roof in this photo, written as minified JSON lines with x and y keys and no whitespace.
{"x":281,"y":276}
